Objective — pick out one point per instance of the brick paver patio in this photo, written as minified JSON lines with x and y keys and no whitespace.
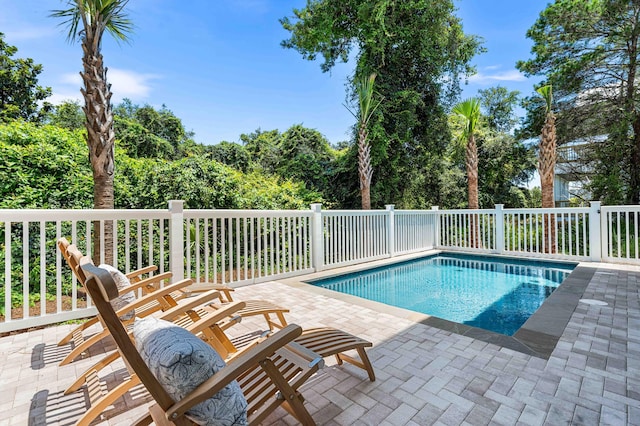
{"x":425,"y":375}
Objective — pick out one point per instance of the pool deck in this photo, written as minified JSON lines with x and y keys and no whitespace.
{"x":428,"y":371}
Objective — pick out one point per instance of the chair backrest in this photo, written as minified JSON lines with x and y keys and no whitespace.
{"x":103,"y":289}
{"x":72,"y":255}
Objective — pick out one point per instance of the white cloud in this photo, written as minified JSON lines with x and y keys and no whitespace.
{"x":130,"y":84}
{"x":512,"y":75}
{"x":23,"y":33}
{"x":124,"y":84}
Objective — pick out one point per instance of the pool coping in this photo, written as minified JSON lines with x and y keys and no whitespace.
{"x":537,"y":337}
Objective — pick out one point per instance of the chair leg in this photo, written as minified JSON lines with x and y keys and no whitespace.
{"x":78,"y":350}
{"x":107,"y":399}
{"x":79,"y":329}
{"x":94,"y":368}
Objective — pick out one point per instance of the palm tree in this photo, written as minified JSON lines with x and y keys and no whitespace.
{"x":547,"y":165}
{"x":87,"y":20}
{"x":367,"y":106}
{"x":469,"y":110}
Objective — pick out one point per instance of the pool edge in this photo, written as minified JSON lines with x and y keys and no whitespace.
{"x":537,"y":337}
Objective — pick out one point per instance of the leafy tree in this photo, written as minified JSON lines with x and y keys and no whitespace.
{"x":19,"y":89}
{"x":498,"y":105}
{"x":231,"y":154}
{"x":263,"y":147}
{"x":418,"y":50}
{"x":469,"y":110}
{"x":147,"y":132}
{"x":367,"y":106}
{"x":139,"y":141}
{"x":589,"y":51}
{"x":43,"y":167}
{"x":88,"y":20}
{"x":67,"y":115}
{"x":305,"y":155}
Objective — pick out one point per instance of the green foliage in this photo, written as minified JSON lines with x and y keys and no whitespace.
{"x":498,"y":105}
{"x":110,"y":13}
{"x":43,"y":167}
{"x":263,"y":147}
{"x":150,"y":133}
{"x":19,"y":89}
{"x":68,"y":115}
{"x":418,"y":50}
{"x":231,"y":154}
{"x":469,"y":110}
{"x":305,"y":155}
{"x":590,"y":52}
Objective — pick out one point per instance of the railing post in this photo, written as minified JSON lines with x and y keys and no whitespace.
{"x":391,"y":231}
{"x":436,"y":230}
{"x":317,"y":241}
{"x":499,"y":228}
{"x":176,"y":239}
{"x":595,"y":232}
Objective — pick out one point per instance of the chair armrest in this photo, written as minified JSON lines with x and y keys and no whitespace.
{"x":234,"y":369}
{"x":134,"y":276}
{"x":154,"y":296}
{"x":147,"y":283}
{"x":215,"y":317}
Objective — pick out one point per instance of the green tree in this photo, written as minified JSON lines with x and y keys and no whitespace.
{"x":68,"y":115}
{"x":469,"y":110}
{"x":367,"y":105}
{"x":148,"y":132}
{"x":20,"y":92}
{"x":589,"y":51}
{"x":498,"y":106}
{"x":263,"y":147}
{"x":306,"y":156}
{"x":418,"y":50}
{"x":231,"y":154}
{"x":87,"y":20}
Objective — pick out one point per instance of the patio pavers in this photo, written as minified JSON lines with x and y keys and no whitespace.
{"x":425,"y":375}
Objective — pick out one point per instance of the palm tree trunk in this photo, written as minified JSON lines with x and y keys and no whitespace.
{"x":471,"y":160}
{"x":100,"y":140}
{"x":547,"y":170}
{"x":365,"y":171}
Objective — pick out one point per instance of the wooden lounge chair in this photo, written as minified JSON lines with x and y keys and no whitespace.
{"x":273,"y":314}
{"x":269,"y":373}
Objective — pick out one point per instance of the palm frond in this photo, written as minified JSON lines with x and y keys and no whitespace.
{"x":108,"y":14}
{"x":547,"y":94}
{"x":468,"y":109}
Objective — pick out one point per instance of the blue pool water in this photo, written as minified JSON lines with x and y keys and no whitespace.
{"x":490,"y":293}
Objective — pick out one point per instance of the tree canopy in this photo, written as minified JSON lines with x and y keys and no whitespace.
{"x":20,"y":92}
{"x":589,"y":51}
{"x":419,"y":51}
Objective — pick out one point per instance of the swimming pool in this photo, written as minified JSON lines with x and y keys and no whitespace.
{"x":481,"y":291}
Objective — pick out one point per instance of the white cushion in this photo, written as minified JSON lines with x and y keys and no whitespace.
{"x":181,"y":362}
{"x":122,"y":282}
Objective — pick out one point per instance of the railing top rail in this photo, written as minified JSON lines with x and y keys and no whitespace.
{"x":30,"y":215}
{"x":557,"y":210}
{"x":466,"y":211}
{"x":211,"y":213}
{"x":620,"y":208}
{"x":433,"y":212}
{"x":355,"y":212}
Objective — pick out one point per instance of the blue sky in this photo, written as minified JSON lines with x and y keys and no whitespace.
{"x":218,"y":65}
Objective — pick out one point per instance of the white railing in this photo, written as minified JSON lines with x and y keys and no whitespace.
{"x":619,"y":234}
{"x":354,"y":236}
{"x":467,"y":230}
{"x":246,"y":246}
{"x":35,"y":277}
{"x":249,"y":246}
{"x":413,"y":230}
